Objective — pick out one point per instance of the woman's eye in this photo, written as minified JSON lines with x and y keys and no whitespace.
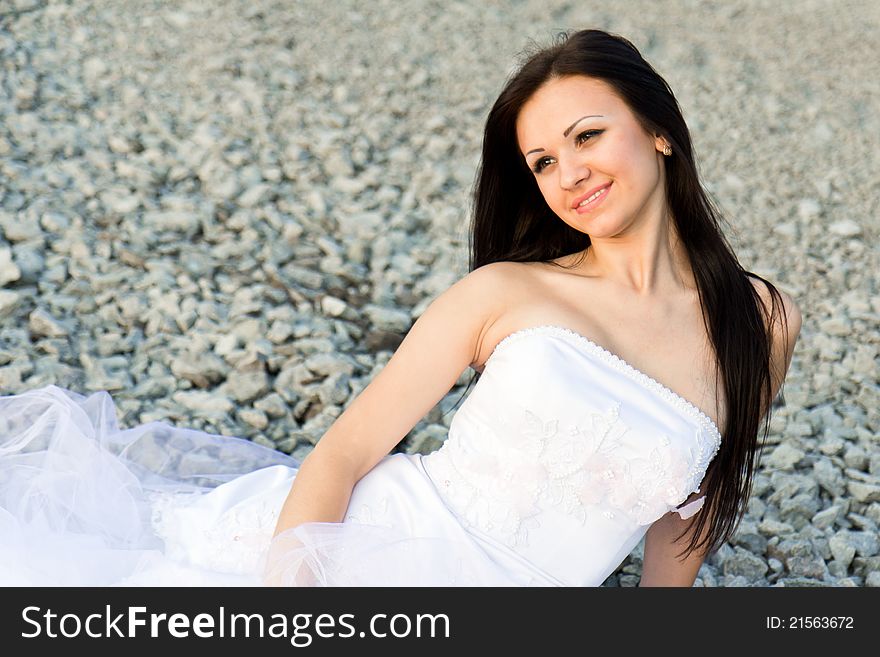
{"x":580,"y":139}
{"x":586,"y":134}
{"x":540,"y":164}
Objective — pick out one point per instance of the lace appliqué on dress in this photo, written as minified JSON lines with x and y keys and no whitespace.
{"x":235,"y":542}
{"x":371,"y":515}
{"x":502,"y":487}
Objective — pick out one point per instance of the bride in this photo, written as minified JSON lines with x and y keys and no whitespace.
{"x":625,"y":362}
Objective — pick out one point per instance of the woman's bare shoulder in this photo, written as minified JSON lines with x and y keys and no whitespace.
{"x":503,"y":287}
{"x":785,"y":326}
{"x":790,"y":309}
{"x":502,"y":281}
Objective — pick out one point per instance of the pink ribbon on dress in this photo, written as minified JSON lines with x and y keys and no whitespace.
{"x":691,"y":508}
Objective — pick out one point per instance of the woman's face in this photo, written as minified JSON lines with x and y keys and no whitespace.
{"x":597,"y":168}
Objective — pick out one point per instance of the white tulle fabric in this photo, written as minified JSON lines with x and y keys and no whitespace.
{"x":555,"y":466}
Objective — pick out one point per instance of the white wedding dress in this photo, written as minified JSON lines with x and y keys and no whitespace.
{"x":554,"y":468}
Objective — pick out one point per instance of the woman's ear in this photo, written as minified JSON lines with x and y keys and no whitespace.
{"x":660,"y":142}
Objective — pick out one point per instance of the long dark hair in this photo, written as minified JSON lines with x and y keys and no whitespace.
{"x":512,"y":222}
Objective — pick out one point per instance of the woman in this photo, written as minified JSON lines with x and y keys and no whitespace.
{"x":626,"y":360}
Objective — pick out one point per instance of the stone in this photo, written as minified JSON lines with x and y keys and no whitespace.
{"x":202,"y":369}
{"x":8,"y":302}
{"x":332,"y":306}
{"x":745,"y":564}
{"x":842,"y":549}
{"x":244,"y":387}
{"x":28,"y":257}
{"x":827,"y":517}
{"x":428,"y":439}
{"x":829,"y":477}
{"x":254,"y":195}
{"x":784,"y":457}
{"x":334,"y":390}
{"x":863,"y":492}
{"x":329,"y":364}
{"x":388,"y":319}
{"x":254,"y":418}
{"x":9,"y":271}
{"x":42,"y":324}
{"x":865,"y":543}
{"x":812,"y":567}
{"x":19,"y":229}
{"x":186,"y":222}
{"x":845,"y":228}
{"x":107,"y":374}
{"x":808,"y":209}
{"x":203,"y":402}
{"x":272,"y":405}
{"x":279,"y":331}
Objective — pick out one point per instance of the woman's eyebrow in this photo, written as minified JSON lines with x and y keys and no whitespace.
{"x":569,"y":129}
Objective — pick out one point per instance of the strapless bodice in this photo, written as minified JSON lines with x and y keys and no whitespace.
{"x":566,"y":454}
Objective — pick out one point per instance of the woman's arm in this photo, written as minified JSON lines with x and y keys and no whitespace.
{"x":441,"y":344}
{"x":661,"y":567}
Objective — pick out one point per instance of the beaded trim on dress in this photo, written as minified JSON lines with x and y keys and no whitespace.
{"x":618,"y":363}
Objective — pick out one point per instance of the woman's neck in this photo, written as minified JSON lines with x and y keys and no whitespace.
{"x":649,"y":263}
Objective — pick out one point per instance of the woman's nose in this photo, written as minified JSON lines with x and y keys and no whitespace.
{"x":572,"y":172}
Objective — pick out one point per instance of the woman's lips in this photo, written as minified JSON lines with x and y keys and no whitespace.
{"x":602,"y":192}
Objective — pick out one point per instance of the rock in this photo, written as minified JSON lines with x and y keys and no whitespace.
{"x":255,"y":195}
{"x":9,"y":271}
{"x":244,"y":387}
{"x":784,"y":457}
{"x":808,"y":209}
{"x":329,"y":364}
{"x":120,"y":202}
{"x":812,"y":567}
{"x":280,"y":331}
{"x":736,"y":581}
{"x":831,"y":445}
{"x":829,"y":477}
{"x":201,"y":369}
{"x":108,"y":374}
{"x":186,"y":222}
{"x":428,"y":439}
{"x":745,"y":564}
{"x":254,"y":418}
{"x":388,"y":319}
{"x":332,"y":306}
{"x":42,"y":324}
{"x":10,"y":378}
{"x":303,"y":276}
{"x":863,"y":492}
{"x":790,"y":547}
{"x":865,"y":543}
{"x":827,"y":517}
{"x":801,"y":582}
{"x":845,"y":228}
{"x":334,"y":390}
{"x":8,"y":302}
{"x":203,"y":402}
{"x":752,"y":541}
{"x":19,"y":229}
{"x":842,"y":548}
{"x":273,"y":405}
{"x":855,"y":457}
{"x":29,"y":259}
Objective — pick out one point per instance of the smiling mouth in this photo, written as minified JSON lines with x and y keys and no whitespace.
{"x":593,"y":198}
